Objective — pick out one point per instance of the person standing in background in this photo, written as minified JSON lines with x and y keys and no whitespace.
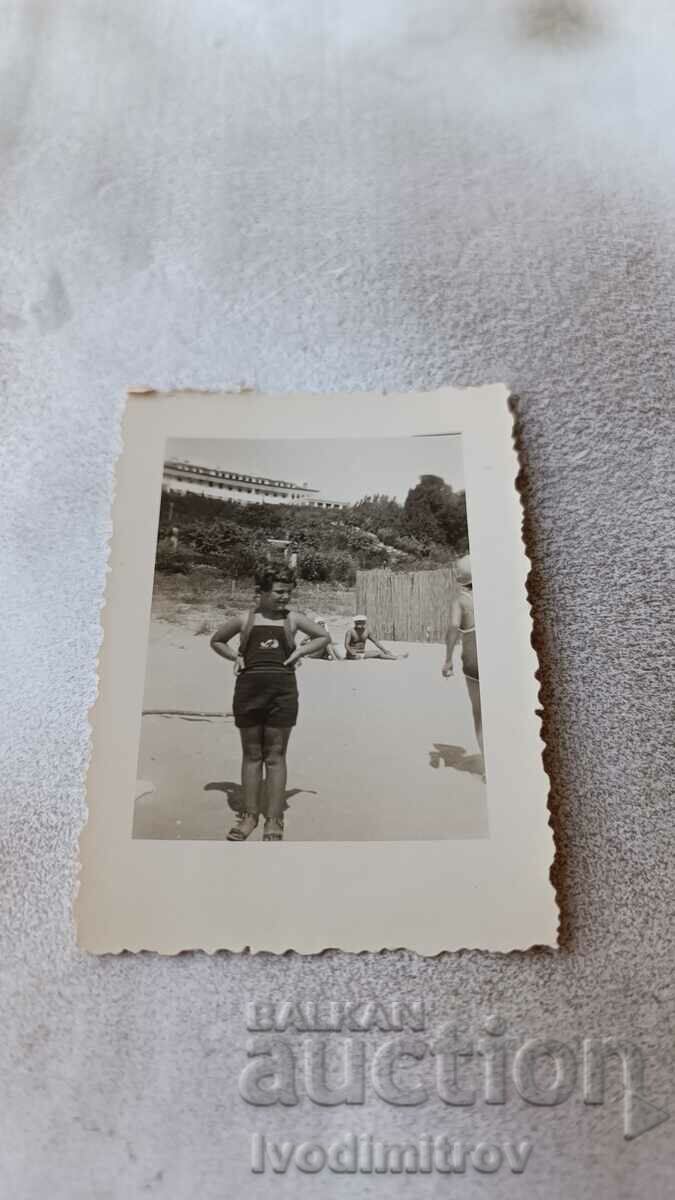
{"x":462,"y":626}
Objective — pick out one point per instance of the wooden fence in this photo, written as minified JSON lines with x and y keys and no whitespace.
{"x":410,"y":606}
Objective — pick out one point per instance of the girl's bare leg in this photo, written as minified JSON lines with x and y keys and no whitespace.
{"x":251,"y":767}
{"x":251,"y":780}
{"x":275,"y":743}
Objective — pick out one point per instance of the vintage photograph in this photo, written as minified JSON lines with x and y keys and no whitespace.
{"x":312,"y":663}
{"x":316,"y":637}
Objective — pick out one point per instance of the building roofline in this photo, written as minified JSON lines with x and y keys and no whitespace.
{"x":217,"y":472}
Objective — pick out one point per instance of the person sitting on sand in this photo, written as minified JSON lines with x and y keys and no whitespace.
{"x":462,"y":625}
{"x":356,"y":643}
{"x":265,"y":702}
{"x":329,"y":653}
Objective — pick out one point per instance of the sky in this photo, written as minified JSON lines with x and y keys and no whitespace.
{"x":341,"y":469}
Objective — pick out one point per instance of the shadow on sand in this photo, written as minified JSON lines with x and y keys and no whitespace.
{"x":235,"y":799}
{"x":457,"y":758}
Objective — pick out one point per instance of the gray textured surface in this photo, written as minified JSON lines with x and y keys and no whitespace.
{"x":319,"y":196}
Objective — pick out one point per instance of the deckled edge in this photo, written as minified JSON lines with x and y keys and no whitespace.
{"x":249,"y":951}
{"x":118,"y":449}
{"x":540,"y":715}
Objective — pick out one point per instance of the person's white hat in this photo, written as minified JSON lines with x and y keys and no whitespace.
{"x":360,"y":617}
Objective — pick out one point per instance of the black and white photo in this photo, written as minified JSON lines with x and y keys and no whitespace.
{"x":308,"y":643}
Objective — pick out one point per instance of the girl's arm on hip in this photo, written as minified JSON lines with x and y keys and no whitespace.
{"x":223,"y":635}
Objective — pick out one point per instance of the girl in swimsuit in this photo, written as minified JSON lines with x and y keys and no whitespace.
{"x":266,"y":694}
{"x":462,"y":625}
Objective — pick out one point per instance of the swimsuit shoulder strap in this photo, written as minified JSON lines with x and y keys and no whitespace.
{"x":246,"y":631}
{"x":290,"y":630}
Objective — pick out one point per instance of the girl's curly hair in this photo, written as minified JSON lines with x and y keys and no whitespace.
{"x":267,"y":575}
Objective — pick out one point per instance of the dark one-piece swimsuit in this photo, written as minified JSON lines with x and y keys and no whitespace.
{"x":266,"y":691}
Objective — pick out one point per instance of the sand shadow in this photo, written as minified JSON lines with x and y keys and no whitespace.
{"x":235,"y":798}
{"x":457,"y":758}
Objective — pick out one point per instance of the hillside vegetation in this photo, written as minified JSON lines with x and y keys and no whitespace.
{"x":428,"y":530}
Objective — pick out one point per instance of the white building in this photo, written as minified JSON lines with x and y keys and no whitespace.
{"x":184,"y":477}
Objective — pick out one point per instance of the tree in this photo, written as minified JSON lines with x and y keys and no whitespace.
{"x":435,"y":513}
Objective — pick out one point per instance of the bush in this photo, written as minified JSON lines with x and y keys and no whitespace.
{"x":241,"y":561}
{"x":341,"y":567}
{"x":409,"y":545}
{"x":173,"y":562}
{"x":312,"y":566}
{"x":220,"y":537}
{"x":372,"y":556}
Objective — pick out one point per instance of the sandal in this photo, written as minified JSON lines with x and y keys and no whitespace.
{"x":273,"y":830}
{"x":243,"y":827}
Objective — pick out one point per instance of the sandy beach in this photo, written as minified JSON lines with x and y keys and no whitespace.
{"x":382,"y":751}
